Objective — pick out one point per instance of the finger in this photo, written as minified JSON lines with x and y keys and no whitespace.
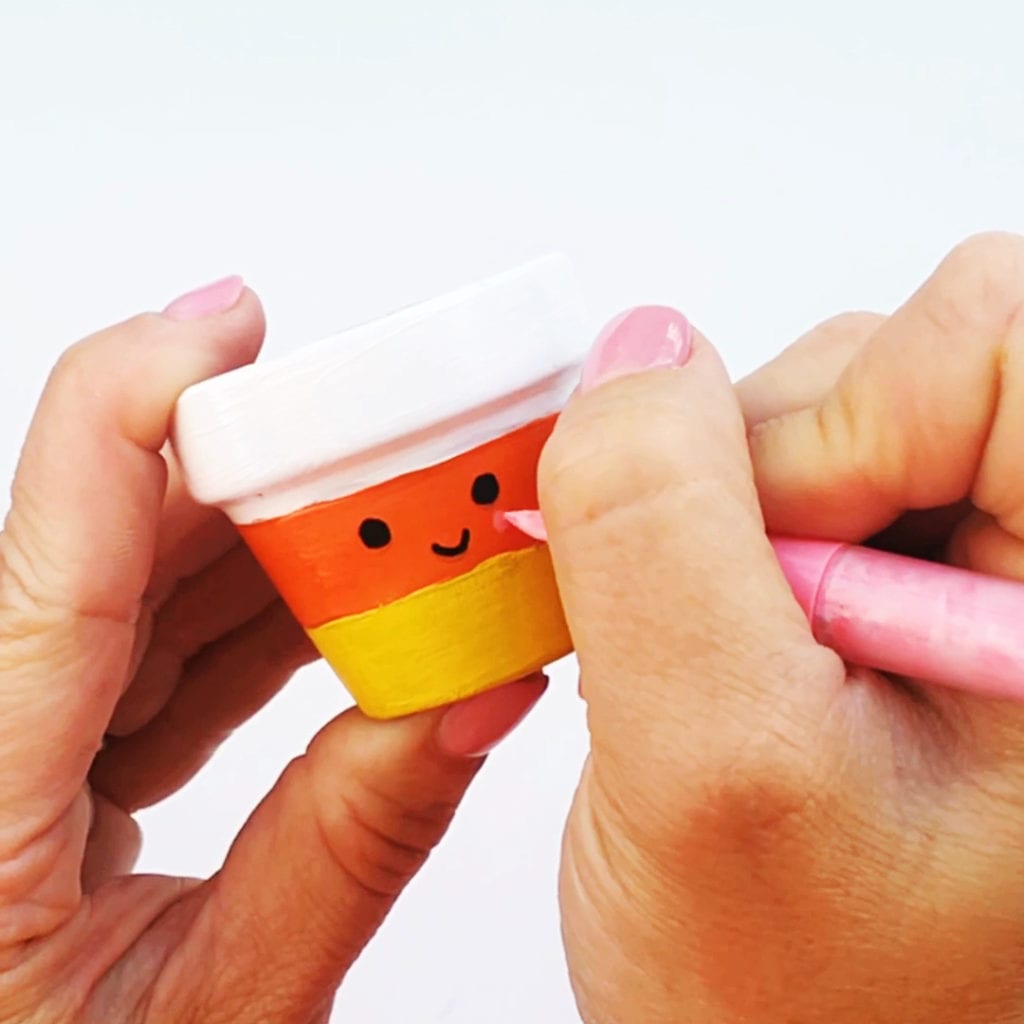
{"x":474,"y":726}
{"x":981,"y":544}
{"x":190,"y":536}
{"x":113,"y":846}
{"x":801,"y":376}
{"x":803,"y":373}
{"x":665,"y":571}
{"x":205,"y":607}
{"x":78,"y":544}
{"x":928,"y":413}
{"x":317,"y":867}
{"x":221,"y":688}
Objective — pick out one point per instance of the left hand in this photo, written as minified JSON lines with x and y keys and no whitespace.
{"x":136,"y":633}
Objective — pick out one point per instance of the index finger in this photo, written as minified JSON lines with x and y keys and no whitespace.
{"x":929,"y":411}
{"x":77,"y":549}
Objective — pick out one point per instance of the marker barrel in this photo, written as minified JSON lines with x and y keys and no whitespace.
{"x":901,"y":615}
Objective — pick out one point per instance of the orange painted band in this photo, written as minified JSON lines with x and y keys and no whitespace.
{"x":437,"y":523}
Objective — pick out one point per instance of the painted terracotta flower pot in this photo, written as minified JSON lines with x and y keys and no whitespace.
{"x":368,"y":474}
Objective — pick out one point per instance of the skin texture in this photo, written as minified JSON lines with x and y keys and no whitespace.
{"x":769,"y":835}
{"x":135,"y":634}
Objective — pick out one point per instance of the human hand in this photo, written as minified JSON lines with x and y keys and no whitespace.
{"x":135,"y":634}
{"x":762,"y":833}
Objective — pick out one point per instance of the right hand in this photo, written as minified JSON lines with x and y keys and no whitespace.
{"x":762,"y":833}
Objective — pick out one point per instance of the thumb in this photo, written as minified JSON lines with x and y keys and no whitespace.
{"x":692,"y":649}
{"x":323,"y":858}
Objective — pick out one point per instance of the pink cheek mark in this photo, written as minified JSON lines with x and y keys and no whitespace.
{"x":526,"y":520}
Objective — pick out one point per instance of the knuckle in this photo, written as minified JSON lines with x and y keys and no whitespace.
{"x":844,"y":328}
{"x":24,"y":616}
{"x":981,"y":283}
{"x":871,"y":470}
{"x":75,"y":372}
{"x":34,"y":603}
{"x":73,"y":364}
{"x":377,"y":839}
{"x":77,"y":364}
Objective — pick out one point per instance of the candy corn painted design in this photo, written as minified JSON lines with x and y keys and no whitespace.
{"x":417,"y":580}
{"x":369,"y":474}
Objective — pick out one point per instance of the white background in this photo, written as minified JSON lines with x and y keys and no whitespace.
{"x":760,"y":165}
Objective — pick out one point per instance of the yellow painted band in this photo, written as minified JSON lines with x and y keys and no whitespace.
{"x":500,"y":621}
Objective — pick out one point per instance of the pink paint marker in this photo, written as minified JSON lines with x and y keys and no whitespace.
{"x":940,"y":624}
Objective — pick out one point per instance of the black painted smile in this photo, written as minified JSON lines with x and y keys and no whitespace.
{"x":459,"y":549}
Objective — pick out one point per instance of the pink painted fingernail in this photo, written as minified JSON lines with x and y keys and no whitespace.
{"x":206,"y":301}
{"x":474,"y":727}
{"x":644,"y":338}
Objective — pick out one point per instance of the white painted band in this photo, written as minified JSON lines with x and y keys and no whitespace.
{"x":394,"y":395}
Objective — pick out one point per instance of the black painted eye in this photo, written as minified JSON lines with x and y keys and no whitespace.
{"x":375,"y":533}
{"x":485,"y":489}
